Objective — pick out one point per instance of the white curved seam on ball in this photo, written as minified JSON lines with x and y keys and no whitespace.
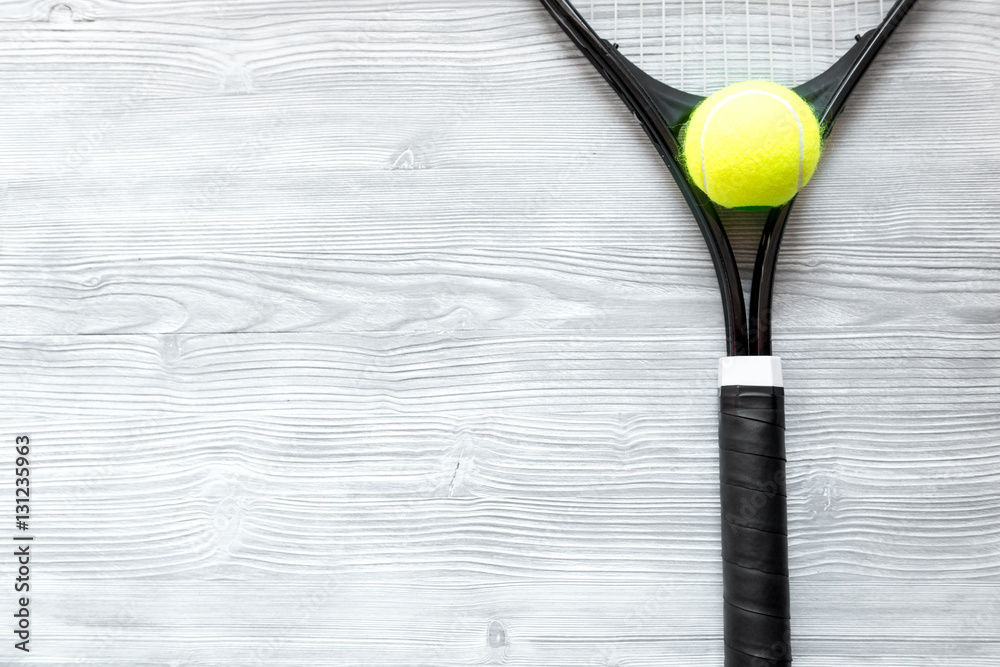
{"x":754,"y":91}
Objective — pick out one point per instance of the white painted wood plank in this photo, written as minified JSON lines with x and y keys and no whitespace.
{"x":324,"y":621}
{"x":488,"y":289}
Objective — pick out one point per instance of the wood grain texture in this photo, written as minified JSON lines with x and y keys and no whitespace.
{"x":373,"y":333}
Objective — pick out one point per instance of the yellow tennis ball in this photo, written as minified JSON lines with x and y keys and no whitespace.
{"x":752,"y":145}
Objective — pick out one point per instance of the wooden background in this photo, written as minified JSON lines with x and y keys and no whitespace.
{"x":371,"y":332}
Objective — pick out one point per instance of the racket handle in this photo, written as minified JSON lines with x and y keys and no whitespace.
{"x":754,"y":513}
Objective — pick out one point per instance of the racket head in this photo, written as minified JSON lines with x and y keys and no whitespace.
{"x":700,"y":46}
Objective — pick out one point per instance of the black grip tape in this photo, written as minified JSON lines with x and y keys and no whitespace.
{"x":754,"y":527}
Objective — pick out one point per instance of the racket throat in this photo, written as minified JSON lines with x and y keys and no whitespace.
{"x":674,"y":106}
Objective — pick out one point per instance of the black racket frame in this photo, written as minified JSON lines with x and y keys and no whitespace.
{"x":663,"y":110}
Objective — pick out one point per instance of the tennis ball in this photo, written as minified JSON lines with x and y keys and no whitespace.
{"x":752,"y":145}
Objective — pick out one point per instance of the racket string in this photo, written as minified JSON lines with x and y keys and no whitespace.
{"x":770,"y":43}
{"x":663,"y":41}
{"x":725,"y":45}
{"x":833,"y":30}
{"x":701,"y":49}
{"x":704,"y":37}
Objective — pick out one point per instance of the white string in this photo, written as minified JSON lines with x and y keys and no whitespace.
{"x":833,"y":29}
{"x":663,"y":44}
{"x":615,"y":34}
{"x":704,"y":40}
{"x":642,"y":31}
{"x":778,"y":35}
{"x":791,"y":31}
{"x":725,"y":46}
{"x":749,"y":47}
{"x":812,"y":55}
{"x":770,"y":44}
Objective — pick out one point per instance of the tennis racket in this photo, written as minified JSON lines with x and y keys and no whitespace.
{"x":820,"y":48}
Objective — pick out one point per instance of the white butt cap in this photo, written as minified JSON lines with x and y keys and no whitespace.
{"x":750,"y":372}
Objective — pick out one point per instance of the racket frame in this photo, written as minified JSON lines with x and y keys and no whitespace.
{"x":662,"y":110}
